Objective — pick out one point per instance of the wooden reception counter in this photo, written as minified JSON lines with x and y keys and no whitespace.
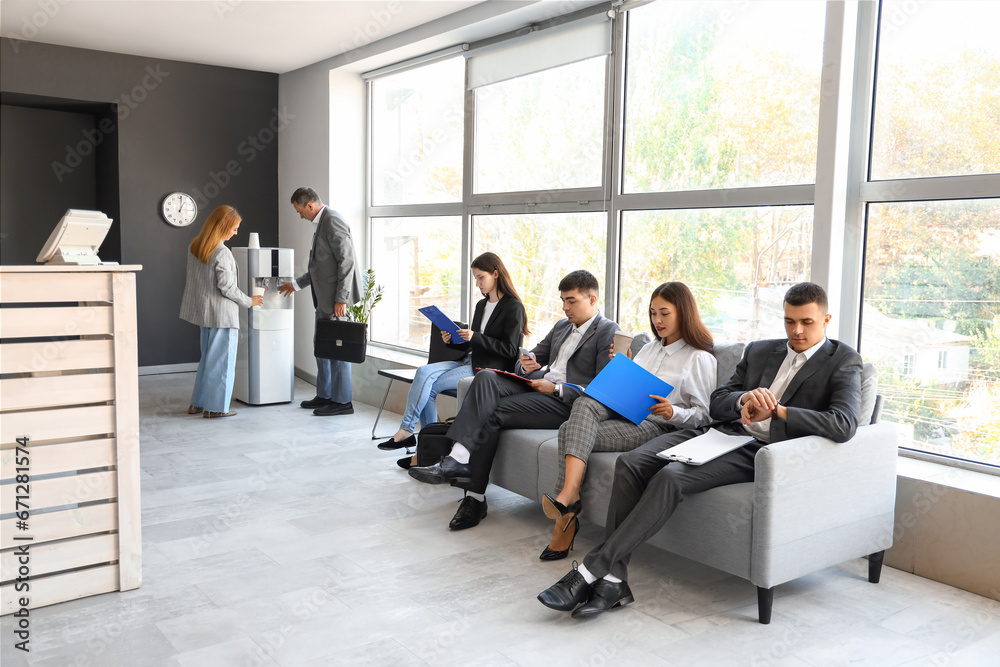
{"x":69,"y":434}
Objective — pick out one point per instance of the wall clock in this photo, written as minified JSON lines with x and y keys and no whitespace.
{"x":179,"y":209}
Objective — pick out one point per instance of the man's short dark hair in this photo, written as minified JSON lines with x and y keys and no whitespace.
{"x":803,"y":293}
{"x":304,"y":196}
{"x":581,"y":280}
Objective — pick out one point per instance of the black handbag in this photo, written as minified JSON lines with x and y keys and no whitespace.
{"x":433,"y":444}
{"x":341,"y":340}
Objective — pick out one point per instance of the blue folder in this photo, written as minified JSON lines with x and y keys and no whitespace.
{"x":443,"y":322}
{"x":625,"y":386}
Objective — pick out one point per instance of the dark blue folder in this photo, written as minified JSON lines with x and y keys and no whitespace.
{"x":443,"y":322}
{"x":625,"y":386}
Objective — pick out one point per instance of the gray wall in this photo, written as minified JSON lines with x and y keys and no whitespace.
{"x":208,"y":131}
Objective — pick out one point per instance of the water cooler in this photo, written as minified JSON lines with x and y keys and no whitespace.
{"x":265,"y":362}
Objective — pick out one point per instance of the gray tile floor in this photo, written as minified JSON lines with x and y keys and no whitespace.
{"x":280,"y":538}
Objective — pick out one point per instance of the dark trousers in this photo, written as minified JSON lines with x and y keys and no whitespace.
{"x":494,"y":403}
{"x":646,"y":492}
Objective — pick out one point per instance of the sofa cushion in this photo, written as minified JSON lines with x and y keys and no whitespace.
{"x":516,"y":464}
{"x":869,"y":388}
{"x":727,"y":355}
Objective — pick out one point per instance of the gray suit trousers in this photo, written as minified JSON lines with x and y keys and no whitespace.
{"x":494,"y":403}
{"x":647,"y":491}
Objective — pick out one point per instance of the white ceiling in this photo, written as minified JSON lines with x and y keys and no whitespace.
{"x":264,"y":35}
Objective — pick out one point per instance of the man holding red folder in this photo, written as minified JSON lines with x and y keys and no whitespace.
{"x":572,"y":353}
{"x":782,"y":389}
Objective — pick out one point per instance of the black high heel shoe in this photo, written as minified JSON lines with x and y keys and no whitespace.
{"x":555,"y":509}
{"x":553,"y":554}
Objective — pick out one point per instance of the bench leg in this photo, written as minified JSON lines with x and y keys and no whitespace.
{"x":375,"y":425}
{"x":765,"y":600}
{"x":875,"y":566}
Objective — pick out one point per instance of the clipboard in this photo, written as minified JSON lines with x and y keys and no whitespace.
{"x":625,"y":386}
{"x":512,"y":376}
{"x":443,"y":322}
{"x":704,"y":448}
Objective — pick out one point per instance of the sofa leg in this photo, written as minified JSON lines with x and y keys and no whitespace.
{"x":875,"y":566}
{"x":765,"y":599}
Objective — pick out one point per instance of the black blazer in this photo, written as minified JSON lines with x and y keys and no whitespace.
{"x":498,"y":346}
{"x":822,"y":399}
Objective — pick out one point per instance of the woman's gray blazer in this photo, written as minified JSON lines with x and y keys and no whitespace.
{"x":211,"y":297}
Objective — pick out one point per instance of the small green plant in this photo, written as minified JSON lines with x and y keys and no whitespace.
{"x":372,"y":294}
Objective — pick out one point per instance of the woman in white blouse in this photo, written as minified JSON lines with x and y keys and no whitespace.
{"x":211,"y":301}
{"x":682,"y":356}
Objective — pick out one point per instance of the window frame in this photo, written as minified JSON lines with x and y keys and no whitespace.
{"x":840,"y":196}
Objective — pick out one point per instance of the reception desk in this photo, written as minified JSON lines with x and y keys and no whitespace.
{"x":69,"y":434}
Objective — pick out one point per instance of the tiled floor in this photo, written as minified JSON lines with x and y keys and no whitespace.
{"x":280,"y":538}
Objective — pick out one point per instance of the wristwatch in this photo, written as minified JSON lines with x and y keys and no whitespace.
{"x":558,"y":391}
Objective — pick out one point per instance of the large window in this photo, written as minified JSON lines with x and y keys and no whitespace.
{"x":539,"y":250}
{"x":931,"y":294}
{"x":725,"y":145}
{"x":722,"y":94}
{"x":417,"y":120}
{"x":542,"y":131}
{"x":936,"y":107}
{"x":931,"y":321}
{"x":418,"y":263}
{"x":738,"y":262}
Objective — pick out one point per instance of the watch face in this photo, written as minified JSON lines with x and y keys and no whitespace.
{"x":179,"y":209}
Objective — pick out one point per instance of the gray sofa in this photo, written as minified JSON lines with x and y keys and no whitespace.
{"x":813,"y":503}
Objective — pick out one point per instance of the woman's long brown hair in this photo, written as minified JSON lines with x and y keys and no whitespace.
{"x":490,"y":262}
{"x":216,"y":229}
{"x":693,"y":330}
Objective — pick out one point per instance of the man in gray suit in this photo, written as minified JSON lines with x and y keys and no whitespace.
{"x":573,"y":353}
{"x":782,"y":389}
{"x":333,"y":277}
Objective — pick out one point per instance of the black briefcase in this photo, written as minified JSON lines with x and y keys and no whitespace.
{"x":432,"y":442}
{"x":341,"y":340}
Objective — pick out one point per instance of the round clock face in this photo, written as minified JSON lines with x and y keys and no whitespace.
{"x":179,"y":209}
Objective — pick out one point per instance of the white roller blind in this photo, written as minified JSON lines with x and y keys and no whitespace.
{"x":541,"y":52}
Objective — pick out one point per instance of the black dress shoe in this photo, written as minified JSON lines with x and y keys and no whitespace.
{"x":555,"y":509}
{"x":445,"y":471}
{"x":315,"y":402}
{"x":566,"y":593}
{"x":470,"y":513}
{"x":391,"y":444}
{"x":332,"y":408}
{"x":606,"y":595}
{"x":405,"y":463}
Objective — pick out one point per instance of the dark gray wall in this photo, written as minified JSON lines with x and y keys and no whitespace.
{"x":208,"y":131}
{"x":34,"y":196}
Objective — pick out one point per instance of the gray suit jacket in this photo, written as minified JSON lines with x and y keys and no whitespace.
{"x":822,"y":399}
{"x":332,"y":268}
{"x":211,"y":297}
{"x":587,"y":360}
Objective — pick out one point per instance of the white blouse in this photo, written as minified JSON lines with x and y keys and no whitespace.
{"x":691,"y":372}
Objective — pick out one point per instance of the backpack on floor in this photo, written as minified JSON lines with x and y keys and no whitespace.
{"x":432,"y":443}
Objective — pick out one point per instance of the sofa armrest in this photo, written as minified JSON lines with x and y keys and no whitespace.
{"x":818,"y":502}
{"x":463,"y":389}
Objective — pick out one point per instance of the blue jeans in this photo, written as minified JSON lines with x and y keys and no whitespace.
{"x":333,"y":378}
{"x":213,"y":384}
{"x":429,"y":381}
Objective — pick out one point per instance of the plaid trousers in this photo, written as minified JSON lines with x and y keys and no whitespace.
{"x":592,"y":427}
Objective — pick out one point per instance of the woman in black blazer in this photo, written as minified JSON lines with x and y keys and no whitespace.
{"x":493,"y":341}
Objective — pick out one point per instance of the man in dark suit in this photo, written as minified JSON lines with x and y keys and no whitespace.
{"x":333,"y":276}
{"x":782,"y":389}
{"x":573,"y":353}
